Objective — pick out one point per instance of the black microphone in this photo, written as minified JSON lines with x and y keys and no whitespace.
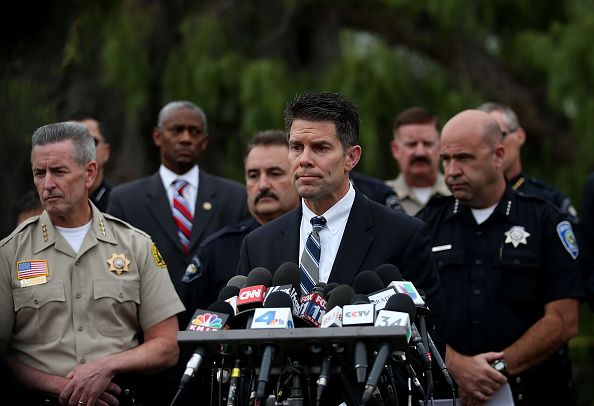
{"x":328,"y":288}
{"x":276,"y":300}
{"x":251,"y":296}
{"x":237,"y":280}
{"x":287,"y":278}
{"x":401,"y":302}
{"x":337,"y":298}
{"x":435,"y":355}
{"x":213,"y":318}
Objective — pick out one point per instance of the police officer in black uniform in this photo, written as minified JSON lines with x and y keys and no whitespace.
{"x":270,"y":194}
{"x":514,"y":137}
{"x":508,"y":265}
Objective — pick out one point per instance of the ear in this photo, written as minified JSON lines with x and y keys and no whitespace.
{"x":204,"y":143}
{"x":521,"y":135}
{"x":91,"y":169}
{"x":157,"y":137}
{"x":395,"y":149}
{"x":353,"y":155}
{"x":499,"y":155}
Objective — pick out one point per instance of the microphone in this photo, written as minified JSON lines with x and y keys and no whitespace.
{"x":361,"y":313}
{"x":435,"y":355}
{"x":328,"y":288}
{"x":276,"y":314}
{"x":203,"y":320}
{"x":313,"y":307}
{"x":229,"y":294}
{"x":337,"y":298}
{"x":287,"y":278}
{"x":403,"y":303}
{"x":252,"y":295}
{"x":237,"y":280}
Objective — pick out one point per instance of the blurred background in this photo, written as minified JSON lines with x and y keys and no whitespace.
{"x":241,"y":61}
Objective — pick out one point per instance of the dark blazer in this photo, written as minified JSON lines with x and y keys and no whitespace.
{"x":143,"y":203}
{"x":374,"y":235}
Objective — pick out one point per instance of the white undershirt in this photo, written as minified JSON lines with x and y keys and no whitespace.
{"x":480,"y":215}
{"x":331,"y":235}
{"x":190,"y":192}
{"x":422,"y":194}
{"x":74,"y":236}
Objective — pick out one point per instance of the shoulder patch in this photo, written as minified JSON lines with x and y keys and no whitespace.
{"x":567,"y":237}
{"x":159,"y":261}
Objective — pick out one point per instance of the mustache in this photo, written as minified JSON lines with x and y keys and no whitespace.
{"x":265,"y":193}
{"x":420,"y":159}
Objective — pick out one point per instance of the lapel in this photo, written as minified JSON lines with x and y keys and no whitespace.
{"x":286,"y":243}
{"x":355,"y":244}
{"x":205,"y":207}
{"x":158,"y":206}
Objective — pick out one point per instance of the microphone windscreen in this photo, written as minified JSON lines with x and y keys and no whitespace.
{"x":340,"y":296}
{"x":328,"y":288}
{"x":259,"y":276}
{"x":288,"y":273}
{"x":360,"y":298}
{"x":388,"y":273}
{"x":237,"y":280}
{"x":367,"y":282}
{"x":401,"y":302}
{"x":278,"y":299}
{"x":221,"y":306}
{"x":228,"y":292}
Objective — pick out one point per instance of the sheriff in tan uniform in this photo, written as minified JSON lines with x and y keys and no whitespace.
{"x":60,"y":308}
{"x":78,"y":288}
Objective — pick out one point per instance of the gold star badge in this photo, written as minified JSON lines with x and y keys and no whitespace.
{"x":516,"y":235}
{"x":118,"y":263}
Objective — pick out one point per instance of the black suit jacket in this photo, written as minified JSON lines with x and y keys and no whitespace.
{"x":143,"y":203}
{"x":374,"y":235}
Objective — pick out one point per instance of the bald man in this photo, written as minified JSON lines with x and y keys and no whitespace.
{"x":508,"y":265}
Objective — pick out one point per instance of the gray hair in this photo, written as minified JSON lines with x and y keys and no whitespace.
{"x":509,"y":116}
{"x":179,"y":104}
{"x":84,"y":145}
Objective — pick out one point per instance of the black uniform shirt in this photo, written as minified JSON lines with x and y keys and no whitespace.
{"x":499,"y":275}
{"x":213,"y":264}
{"x":536,"y":187}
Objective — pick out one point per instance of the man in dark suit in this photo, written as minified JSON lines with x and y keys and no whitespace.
{"x":152,"y":205}
{"x":356,"y":233}
{"x":359,"y":234}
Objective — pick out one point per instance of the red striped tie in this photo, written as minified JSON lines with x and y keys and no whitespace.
{"x":182,"y":214}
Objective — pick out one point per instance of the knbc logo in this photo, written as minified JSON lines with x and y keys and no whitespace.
{"x":206,"y":322}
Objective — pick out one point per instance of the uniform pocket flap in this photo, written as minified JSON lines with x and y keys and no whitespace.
{"x":38,"y":296}
{"x":123,"y":291}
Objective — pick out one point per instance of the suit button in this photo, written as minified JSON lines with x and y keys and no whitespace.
{"x":478,"y":262}
{"x":476,"y":292}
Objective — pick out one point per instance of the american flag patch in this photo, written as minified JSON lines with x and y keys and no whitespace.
{"x":32,"y":269}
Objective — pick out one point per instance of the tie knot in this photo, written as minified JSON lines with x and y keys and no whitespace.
{"x":180,"y":184}
{"x":318,"y":222}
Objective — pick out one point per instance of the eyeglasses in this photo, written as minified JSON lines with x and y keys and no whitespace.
{"x":505,"y":133}
{"x":180,"y":129}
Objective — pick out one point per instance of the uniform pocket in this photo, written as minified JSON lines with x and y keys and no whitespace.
{"x":41,"y":312}
{"x":450,"y":265}
{"x":116,"y":306}
{"x":520,"y":277}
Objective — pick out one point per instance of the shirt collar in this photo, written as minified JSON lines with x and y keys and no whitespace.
{"x":335,"y":215}
{"x":504,"y":207}
{"x":404,"y":191}
{"x":168,"y":176}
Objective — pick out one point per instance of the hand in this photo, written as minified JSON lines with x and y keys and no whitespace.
{"x":90,"y":384}
{"x":476,"y":378}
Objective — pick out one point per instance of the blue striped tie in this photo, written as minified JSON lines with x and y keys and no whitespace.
{"x":310,"y":258}
{"x":182,"y":214}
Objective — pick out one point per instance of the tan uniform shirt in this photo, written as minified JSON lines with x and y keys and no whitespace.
{"x":408,"y":200}
{"x":59,"y":308}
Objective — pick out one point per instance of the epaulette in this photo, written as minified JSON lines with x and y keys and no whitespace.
{"x":125,"y":224}
{"x":19,"y":228}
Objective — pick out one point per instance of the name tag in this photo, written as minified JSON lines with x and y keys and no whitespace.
{"x":442,"y":248}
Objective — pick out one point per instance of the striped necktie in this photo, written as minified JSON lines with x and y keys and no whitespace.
{"x":310,"y":258}
{"x":182,"y":214}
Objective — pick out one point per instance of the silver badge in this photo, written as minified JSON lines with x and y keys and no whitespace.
{"x":517,"y":235}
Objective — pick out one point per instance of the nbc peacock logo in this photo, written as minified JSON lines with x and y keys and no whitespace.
{"x":206,"y":322}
